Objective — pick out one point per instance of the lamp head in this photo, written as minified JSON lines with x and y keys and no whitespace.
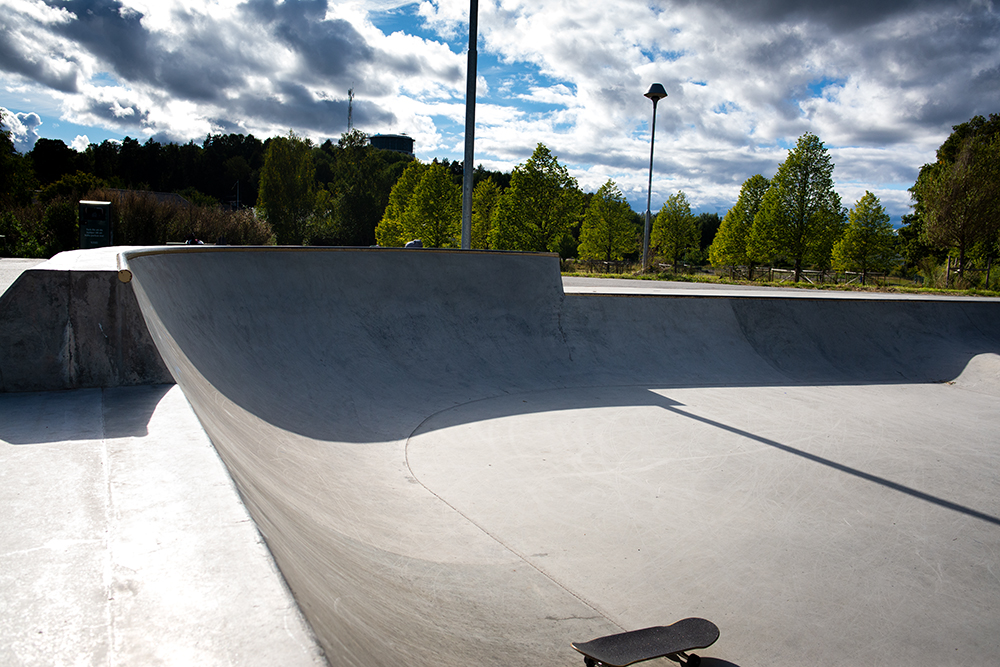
{"x":656,"y":92}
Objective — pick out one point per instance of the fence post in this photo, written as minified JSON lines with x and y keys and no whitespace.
{"x":947,"y":275}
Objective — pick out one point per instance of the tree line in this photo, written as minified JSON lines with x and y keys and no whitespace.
{"x":795,"y":219}
{"x":540,"y":209}
{"x":288,"y":190}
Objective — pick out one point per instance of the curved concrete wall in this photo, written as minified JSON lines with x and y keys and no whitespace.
{"x":310,"y":369}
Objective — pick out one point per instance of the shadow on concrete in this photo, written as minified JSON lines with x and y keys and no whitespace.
{"x":672,"y":406}
{"x":40,"y":418}
{"x":624,"y":397}
{"x":127,"y":410}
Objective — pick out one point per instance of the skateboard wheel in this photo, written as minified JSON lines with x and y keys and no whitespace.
{"x":693,"y":660}
{"x":589,"y":662}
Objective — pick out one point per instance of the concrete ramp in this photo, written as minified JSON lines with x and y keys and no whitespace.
{"x":454,"y":462}
{"x":68,"y":323}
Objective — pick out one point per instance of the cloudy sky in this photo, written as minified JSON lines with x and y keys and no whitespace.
{"x":881,"y":82}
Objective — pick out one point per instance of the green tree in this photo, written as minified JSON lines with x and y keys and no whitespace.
{"x":608,"y":231}
{"x":71,"y":186}
{"x":675,"y":230}
{"x":869,"y":241}
{"x":434,"y":211}
{"x":287,"y":188}
{"x":800,"y":216}
{"x":390,"y":231}
{"x":962,"y":200}
{"x":540,"y":207}
{"x":359,"y":178}
{"x":484,"y":201}
{"x":731,"y":246}
{"x":708,"y":226}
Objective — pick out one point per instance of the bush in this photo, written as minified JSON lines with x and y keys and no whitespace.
{"x":217,"y":225}
{"x":22,"y":236}
{"x":60,"y":220}
{"x":146,"y":218}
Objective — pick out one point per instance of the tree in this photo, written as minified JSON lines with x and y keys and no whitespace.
{"x":434,"y":211}
{"x":484,"y":201}
{"x":359,"y":178}
{"x":869,"y":242}
{"x":287,"y":187}
{"x":731,"y":246}
{"x":675,"y":229}
{"x":390,"y":231}
{"x":540,"y":207}
{"x":708,"y":226}
{"x":800,"y":216}
{"x":227,"y":167}
{"x":52,"y":159}
{"x":608,"y":232}
{"x":957,"y":197}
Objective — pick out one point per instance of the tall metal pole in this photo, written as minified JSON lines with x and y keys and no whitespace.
{"x":470,"y":127}
{"x":655,"y":93}
{"x":649,"y":196}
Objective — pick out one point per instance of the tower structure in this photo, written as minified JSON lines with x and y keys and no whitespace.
{"x":350,"y":109}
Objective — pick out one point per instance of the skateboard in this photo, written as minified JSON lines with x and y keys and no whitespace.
{"x":669,"y":641}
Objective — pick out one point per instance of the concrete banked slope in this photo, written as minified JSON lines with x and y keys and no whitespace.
{"x":329,"y":381}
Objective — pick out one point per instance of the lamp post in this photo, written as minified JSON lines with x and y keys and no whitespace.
{"x":655,"y":93}
{"x":470,"y":127}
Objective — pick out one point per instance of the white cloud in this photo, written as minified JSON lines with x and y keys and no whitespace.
{"x":23,"y":128}
{"x":880,"y":83}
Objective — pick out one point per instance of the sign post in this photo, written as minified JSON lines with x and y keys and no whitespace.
{"x":95,"y":224}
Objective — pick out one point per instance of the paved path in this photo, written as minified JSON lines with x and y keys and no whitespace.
{"x":583,"y":285}
{"x":454,"y":463}
{"x":124,"y":542}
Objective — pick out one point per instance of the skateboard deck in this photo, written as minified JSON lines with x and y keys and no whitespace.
{"x":669,"y":641}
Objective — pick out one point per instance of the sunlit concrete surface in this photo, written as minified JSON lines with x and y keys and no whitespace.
{"x":455,"y":462}
{"x":124,"y":542}
{"x":11,"y":268}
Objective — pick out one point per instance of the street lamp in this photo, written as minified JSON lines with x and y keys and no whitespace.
{"x":655,"y":93}
{"x":470,"y":126}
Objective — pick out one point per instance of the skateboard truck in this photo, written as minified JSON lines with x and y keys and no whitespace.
{"x":663,"y":641}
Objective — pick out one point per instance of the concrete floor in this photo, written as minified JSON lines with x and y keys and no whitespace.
{"x":790,"y":516}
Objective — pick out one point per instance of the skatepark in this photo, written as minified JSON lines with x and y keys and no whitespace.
{"x":461,"y":458}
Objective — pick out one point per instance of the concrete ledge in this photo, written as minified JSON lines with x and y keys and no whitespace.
{"x":70,"y":323}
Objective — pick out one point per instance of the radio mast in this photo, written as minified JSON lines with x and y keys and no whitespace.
{"x":350,"y":109}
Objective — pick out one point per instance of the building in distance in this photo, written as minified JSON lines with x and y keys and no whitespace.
{"x":392,"y":142}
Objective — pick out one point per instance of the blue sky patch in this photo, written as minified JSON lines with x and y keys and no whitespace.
{"x":406,"y":19}
{"x":104,"y":80}
{"x":817,"y":87}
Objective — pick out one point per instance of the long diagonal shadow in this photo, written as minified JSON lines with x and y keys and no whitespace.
{"x":941,"y":502}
